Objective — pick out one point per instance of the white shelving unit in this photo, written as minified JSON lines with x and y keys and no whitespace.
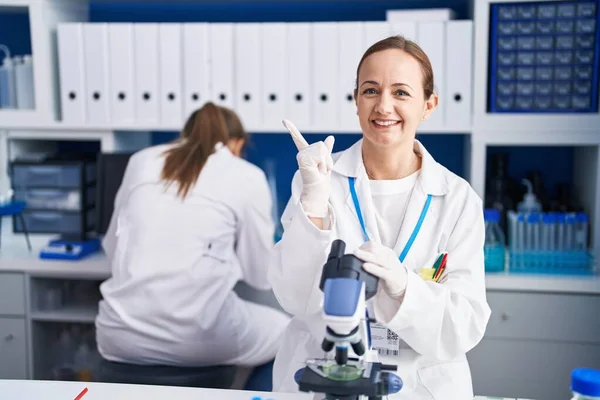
{"x":70,"y":314}
{"x":44,"y":15}
{"x":487,"y":129}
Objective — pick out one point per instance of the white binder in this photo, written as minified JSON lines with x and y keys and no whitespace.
{"x":95,"y":49}
{"x":170,"y":75}
{"x":196,"y":73}
{"x":222,"y":68}
{"x":325,"y":67}
{"x":351,"y":46}
{"x":71,"y":72}
{"x":431,"y":38}
{"x":459,"y":74}
{"x":408,"y":29}
{"x":299,"y":76}
{"x":146,"y":73}
{"x":432,"y":14}
{"x":121,"y":76}
{"x":247,"y":55}
{"x":374,"y":32}
{"x":274,"y":74}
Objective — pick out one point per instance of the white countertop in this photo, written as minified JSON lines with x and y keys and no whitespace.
{"x":55,"y":390}
{"x":14,"y":256}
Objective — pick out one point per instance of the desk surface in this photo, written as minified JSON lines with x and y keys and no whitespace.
{"x":55,"y":390}
{"x":14,"y":256}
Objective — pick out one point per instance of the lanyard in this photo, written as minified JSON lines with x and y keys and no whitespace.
{"x":415,"y":232}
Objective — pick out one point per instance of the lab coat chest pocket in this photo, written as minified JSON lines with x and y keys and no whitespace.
{"x":219,"y":250}
{"x":451,"y":380}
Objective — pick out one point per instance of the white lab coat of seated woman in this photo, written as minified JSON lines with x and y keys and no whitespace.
{"x":175,"y":262}
{"x":427,"y":327}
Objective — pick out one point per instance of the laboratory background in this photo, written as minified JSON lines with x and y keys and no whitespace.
{"x":84,"y":84}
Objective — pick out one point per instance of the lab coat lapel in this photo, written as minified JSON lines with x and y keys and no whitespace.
{"x":349,"y":164}
{"x":411,"y":218}
{"x":363,"y":192}
{"x":431,"y":181}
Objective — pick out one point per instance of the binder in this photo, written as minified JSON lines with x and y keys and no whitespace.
{"x":457,"y":96}
{"x":375,"y":31}
{"x":325,"y":67}
{"x":146,"y":61}
{"x":299,"y":77}
{"x":351,"y":35}
{"x":71,"y":72}
{"x":407,"y":29}
{"x":432,"y":40}
{"x":221,"y":59}
{"x":170,"y":75}
{"x":95,"y":55}
{"x":274,"y":96}
{"x":121,"y":77}
{"x":247,"y":55}
{"x":425,"y":15}
{"x":196,"y":73}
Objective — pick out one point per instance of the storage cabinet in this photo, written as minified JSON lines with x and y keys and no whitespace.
{"x":13,"y":348}
{"x":533,"y":342}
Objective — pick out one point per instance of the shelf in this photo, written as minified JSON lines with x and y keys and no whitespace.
{"x":84,"y":129}
{"x":539,"y":137}
{"x":7,"y":5}
{"x":74,"y":314}
{"x":542,"y":283}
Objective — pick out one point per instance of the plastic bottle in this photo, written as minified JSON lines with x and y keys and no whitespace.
{"x":24,"y":83}
{"x":530,"y":203}
{"x":495,"y":241}
{"x":521,"y":239}
{"x":585,"y":384}
{"x":84,"y":363}
{"x":8,"y":93}
{"x":63,"y":357}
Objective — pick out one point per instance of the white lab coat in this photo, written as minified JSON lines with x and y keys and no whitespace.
{"x":438,"y":323}
{"x":170,"y":299}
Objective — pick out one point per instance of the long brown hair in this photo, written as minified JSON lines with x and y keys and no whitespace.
{"x":204,"y":128}
{"x":400,"y":43}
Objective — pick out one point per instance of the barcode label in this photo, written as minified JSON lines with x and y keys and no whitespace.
{"x":385,"y":341}
{"x":387,"y":352}
{"x":391,"y":335}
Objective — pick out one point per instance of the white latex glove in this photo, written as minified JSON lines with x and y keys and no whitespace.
{"x":384,"y":263}
{"x":315,"y":164}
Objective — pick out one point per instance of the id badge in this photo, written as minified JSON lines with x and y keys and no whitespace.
{"x":385,"y":341}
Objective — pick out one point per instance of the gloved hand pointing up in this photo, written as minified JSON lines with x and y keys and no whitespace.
{"x":315,"y":164}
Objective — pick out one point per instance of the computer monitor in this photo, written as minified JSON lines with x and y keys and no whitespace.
{"x":111,"y":168}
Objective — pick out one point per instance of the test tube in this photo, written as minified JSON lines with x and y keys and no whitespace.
{"x":581,"y":234}
{"x":569,"y":232}
{"x":534,"y":221}
{"x":552,"y":231}
{"x":546,"y":228}
{"x":560,"y":231}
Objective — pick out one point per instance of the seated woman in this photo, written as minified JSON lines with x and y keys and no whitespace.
{"x":191,"y":219}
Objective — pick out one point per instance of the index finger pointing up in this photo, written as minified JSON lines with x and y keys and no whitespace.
{"x":297,"y":137}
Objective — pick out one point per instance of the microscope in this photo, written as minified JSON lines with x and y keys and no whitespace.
{"x":346,"y":288}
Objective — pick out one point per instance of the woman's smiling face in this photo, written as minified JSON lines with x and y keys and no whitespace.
{"x":390,"y":98}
